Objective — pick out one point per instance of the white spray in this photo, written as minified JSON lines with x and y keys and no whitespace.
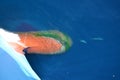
{"x":11,"y":37}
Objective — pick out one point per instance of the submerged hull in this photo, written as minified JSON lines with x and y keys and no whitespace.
{"x":44,"y":42}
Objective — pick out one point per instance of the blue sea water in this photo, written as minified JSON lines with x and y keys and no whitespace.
{"x":83,"y":21}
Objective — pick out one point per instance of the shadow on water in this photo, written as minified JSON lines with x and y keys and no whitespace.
{"x":46,"y":64}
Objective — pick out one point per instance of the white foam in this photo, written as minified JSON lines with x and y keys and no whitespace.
{"x":21,"y":60}
{"x":10,"y":37}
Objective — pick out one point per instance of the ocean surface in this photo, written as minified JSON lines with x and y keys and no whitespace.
{"x":93,"y":25}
